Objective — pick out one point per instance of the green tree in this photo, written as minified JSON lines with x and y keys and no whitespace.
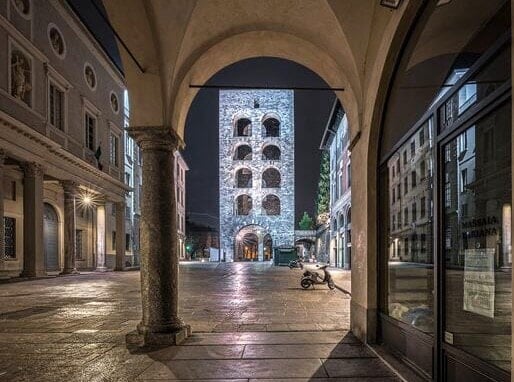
{"x":306,"y":222}
{"x":323,"y":198}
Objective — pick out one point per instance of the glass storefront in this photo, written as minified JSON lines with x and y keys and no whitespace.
{"x":445,"y":196}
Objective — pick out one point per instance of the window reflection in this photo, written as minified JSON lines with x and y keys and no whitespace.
{"x":478,"y":248}
{"x":410,"y":262}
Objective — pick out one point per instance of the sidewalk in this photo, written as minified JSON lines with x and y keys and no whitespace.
{"x":342,"y":278}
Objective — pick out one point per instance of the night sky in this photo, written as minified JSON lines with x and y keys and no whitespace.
{"x":312,"y":109}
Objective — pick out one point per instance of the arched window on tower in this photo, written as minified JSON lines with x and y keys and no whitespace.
{"x":271,"y":178}
{"x":271,"y":205}
{"x":243,"y":205}
{"x":244,"y":178}
{"x":243,"y":152}
{"x":271,"y":152}
{"x":271,"y":127}
{"x":243,"y":128}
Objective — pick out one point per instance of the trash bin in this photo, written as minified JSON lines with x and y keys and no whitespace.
{"x":284,"y":254}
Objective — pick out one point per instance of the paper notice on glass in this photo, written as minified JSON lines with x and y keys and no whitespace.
{"x":479,"y":281}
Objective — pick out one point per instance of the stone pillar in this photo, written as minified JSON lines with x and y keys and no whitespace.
{"x":100,"y":237}
{"x":2,"y":226}
{"x":33,"y":254}
{"x":260,"y":247}
{"x":120,"y":236}
{"x":160,"y":323}
{"x":70,"y":245}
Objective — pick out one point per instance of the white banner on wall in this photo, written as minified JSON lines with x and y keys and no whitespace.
{"x":479,"y":281}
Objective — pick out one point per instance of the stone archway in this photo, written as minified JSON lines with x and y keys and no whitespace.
{"x":173,"y":53}
{"x":250,"y":243}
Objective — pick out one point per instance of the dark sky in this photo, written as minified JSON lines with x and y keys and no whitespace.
{"x":312,"y":109}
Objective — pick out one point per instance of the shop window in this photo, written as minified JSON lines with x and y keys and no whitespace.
{"x":478,"y":253}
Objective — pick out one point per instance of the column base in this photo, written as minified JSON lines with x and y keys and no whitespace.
{"x":152,"y":339}
{"x":69,"y":272}
{"x":101,"y":269}
{"x":26,"y":274}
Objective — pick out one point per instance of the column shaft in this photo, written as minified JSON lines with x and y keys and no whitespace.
{"x":2,"y":223}
{"x":100,"y":238}
{"x":159,"y":258}
{"x":70,"y":244}
{"x":33,"y":254}
{"x":120,"y":236}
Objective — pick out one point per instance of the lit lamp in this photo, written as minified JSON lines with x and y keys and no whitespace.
{"x":393,"y":4}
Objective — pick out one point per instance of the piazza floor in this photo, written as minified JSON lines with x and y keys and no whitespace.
{"x":251,"y":322}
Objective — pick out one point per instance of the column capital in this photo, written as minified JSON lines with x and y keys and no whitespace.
{"x":69,"y":186}
{"x":32,"y":169}
{"x":156,"y":137}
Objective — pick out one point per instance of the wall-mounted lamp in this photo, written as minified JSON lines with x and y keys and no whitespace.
{"x":393,"y":4}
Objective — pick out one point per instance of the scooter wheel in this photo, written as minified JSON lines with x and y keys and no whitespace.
{"x":305,"y":283}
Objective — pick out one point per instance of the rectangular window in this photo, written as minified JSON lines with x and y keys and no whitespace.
{"x":422,"y":137}
{"x":394,"y":223}
{"x":405,"y":185}
{"x":10,"y":237}
{"x":348,"y":175}
{"x":90,"y":130}
{"x":394,"y":195}
{"x":423,"y":210}
{"x":422,"y":170}
{"x":412,"y":148}
{"x":413,"y":179}
{"x":463,"y":179}
{"x":127,"y":242}
{"x":405,"y":157}
{"x":114,"y":150}
{"x":127,"y":178}
{"x":78,"y":244}
{"x":56,"y":107}
{"x":113,"y":240}
{"x":414,"y":212}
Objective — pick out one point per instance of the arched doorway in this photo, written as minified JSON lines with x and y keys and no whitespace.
{"x":51,"y":238}
{"x":252,"y":243}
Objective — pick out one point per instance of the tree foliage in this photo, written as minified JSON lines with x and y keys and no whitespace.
{"x":306,"y":222}
{"x":323,"y":197}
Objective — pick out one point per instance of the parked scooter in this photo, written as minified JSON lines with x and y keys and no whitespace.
{"x":310,"y":278}
{"x":298,"y":263}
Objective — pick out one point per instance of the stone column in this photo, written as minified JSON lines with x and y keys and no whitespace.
{"x":160,"y":323}
{"x":2,"y":224}
{"x":120,"y":236}
{"x":70,"y":244}
{"x":33,"y":254}
{"x":260,"y":247}
{"x":100,"y":237}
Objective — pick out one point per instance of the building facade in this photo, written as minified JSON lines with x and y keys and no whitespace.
{"x":180,"y":196}
{"x":62,"y":190}
{"x":256,"y":173}
{"x":336,"y":141}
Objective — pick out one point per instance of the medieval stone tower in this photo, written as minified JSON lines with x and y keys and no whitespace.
{"x":256,"y":173}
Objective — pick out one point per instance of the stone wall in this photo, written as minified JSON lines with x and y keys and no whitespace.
{"x":257,"y":106}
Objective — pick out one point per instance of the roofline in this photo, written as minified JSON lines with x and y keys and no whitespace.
{"x":328,"y":132}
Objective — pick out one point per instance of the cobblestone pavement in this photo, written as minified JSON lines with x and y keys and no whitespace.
{"x":251,"y":322}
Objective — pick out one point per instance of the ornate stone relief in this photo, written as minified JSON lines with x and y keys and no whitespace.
{"x":115,"y":104}
{"x":90,"y":76}
{"x":56,"y":41}
{"x":21,"y":76}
